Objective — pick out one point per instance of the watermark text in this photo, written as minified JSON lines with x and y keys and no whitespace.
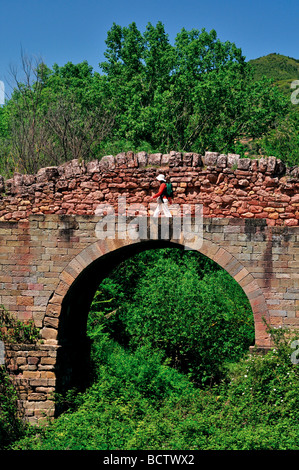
{"x":183,"y":225}
{"x":295,"y":94}
{"x":2,"y":93}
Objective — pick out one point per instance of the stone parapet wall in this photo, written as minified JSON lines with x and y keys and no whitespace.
{"x":226,"y":186}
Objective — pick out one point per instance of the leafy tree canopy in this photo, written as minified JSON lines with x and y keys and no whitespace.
{"x":196,"y":94}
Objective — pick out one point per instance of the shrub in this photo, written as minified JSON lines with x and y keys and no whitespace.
{"x":13,"y":330}
{"x":11,"y":426}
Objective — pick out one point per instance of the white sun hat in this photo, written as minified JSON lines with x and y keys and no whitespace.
{"x":161,"y":178}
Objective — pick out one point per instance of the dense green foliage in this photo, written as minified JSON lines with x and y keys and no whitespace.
{"x":283,"y":140}
{"x":139,"y":402}
{"x":11,"y":426}
{"x":197,"y":94}
{"x":145,"y":396}
{"x":12,"y":331}
{"x":176,"y":309}
{"x":283,"y":70}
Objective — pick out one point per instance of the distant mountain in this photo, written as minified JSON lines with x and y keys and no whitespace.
{"x":282,"y":69}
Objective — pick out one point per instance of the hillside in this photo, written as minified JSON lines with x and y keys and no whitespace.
{"x":281,"y":68}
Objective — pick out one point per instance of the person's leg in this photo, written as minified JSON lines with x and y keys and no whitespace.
{"x":166,"y":211}
{"x":157,"y":210}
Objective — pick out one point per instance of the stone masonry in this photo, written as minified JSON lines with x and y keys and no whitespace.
{"x":226,"y":185}
{"x":51,"y":260}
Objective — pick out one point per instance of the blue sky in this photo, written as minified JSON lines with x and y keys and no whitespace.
{"x":59,"y":31}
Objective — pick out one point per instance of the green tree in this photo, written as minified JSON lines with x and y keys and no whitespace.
{"x":195,"y":95}
{"x":54,"y":116}
{"x":11,"y":425}
{"x":190,"y":318}
{"x":283,"y":140}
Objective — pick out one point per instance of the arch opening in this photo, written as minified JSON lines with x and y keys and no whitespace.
{"x":72,"y":368}
{"x":73,"y":365}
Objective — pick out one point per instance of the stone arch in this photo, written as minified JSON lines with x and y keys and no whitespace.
{"x":84,"y":273}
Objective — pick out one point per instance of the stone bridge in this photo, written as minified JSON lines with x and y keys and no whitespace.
{"x":52,"y":257}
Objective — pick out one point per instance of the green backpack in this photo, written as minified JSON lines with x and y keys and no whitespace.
{"x":168,"y":191}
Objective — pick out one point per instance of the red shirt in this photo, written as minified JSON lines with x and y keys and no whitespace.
{"x":160,"y":192}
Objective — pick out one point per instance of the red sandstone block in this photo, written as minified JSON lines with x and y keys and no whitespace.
{"x":255,"y":209}
{"x":5,"y":278}
{"x":292,"y":222}
{"x":19,"y":214}
{"x":260,"y":327}
{"x":31,"y":374}
{"x":273,"y":215}
{"x":271,"y":222}
{"x":258,"y":303}
{"x":49,"y":333}
{"x":35,"y":286}
{"x":22,"y":300}
{"x":47,"y":374}
{"x":261,"y":215}
{"x":241,"y":275}
{"x":67,"y":278}
{"x":223,"y":257}
{"x":53,"y":310}
{"x":50,"y":283}
{"x":51,"y":322}
{"x":33,"y":360}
